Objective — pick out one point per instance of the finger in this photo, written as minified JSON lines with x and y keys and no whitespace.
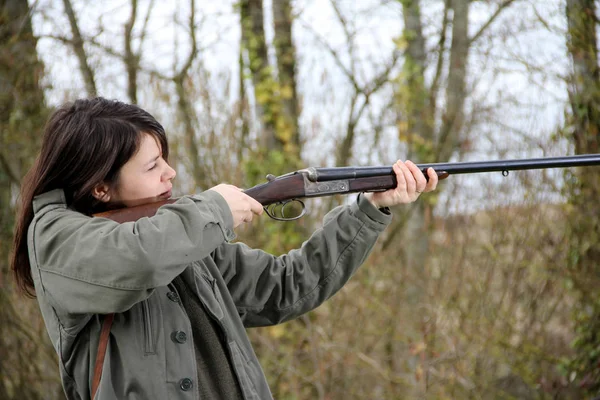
{"x":433,"y":180}
{"x":420,"y":180}
{"x":400,"y":180}
{"x":255,"y":206}
{"x":411,"y":184}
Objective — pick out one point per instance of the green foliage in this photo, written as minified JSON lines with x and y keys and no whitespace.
{"x":584,"y":367}
{"x":583,"y":280}
{"x":490,"y":324}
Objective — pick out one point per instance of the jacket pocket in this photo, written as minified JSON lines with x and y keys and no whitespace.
{"x":68,"y":382}
{"x":149,"y":325}
{"x":208,"y":292}
{"x":242,"y":366}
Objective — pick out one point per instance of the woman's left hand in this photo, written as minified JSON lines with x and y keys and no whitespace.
{"x":411,"y":183}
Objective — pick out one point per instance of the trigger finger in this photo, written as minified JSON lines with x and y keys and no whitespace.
{"x":256,"y":207}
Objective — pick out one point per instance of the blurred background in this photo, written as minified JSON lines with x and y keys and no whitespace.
{"x":486,"y":289}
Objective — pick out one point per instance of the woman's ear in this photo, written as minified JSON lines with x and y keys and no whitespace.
{"x":101,"y":192}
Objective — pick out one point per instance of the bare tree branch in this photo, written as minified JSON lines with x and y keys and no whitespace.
{"x":349,"y":34}
{"x":131,"y":58}
{"x":77,"y":45}
{"x":383,"y":77}
{"x":489,"y":22}
{"x":183,"y":103}
{"x":336,"y":57}
{"x":114,"y":53}
{"x":433,"y":92}
{"x":194,"y":49}
{"x":145,"y":26}
{"x":356,"y":112}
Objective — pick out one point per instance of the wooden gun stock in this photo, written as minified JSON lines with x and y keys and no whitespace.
{"x":129,"y":214}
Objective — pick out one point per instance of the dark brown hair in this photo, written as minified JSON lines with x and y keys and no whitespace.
{"x":85,"y":143}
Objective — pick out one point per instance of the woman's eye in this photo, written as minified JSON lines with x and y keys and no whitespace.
{"x":152,"y":167}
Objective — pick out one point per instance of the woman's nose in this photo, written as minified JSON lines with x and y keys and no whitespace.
{"x":169,"y":173}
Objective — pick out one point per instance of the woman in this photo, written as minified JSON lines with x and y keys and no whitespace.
{"x":178,"y":294}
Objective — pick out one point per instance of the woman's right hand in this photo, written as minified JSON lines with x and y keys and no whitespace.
{"x":243,"y":207}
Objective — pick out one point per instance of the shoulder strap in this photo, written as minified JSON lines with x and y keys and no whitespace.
{"x":106,"y":325}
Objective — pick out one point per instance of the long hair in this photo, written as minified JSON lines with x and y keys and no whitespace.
{"x":85,"y":143}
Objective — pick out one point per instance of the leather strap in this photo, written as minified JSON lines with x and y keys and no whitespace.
{"x":106,"y":325}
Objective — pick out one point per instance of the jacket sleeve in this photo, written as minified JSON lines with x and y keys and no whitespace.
{"x":268,"y":290}
{"x":95,"y":265}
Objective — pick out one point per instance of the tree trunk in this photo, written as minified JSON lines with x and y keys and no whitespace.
{"x":255,"y":46}
{"x":287,"y":127}
{"x":417,"y":129}
{"x":453,"y":117}
{"x":584,"y":96}
{"x":187,"y":115}
{"x":22,"y":110}
{"x":132,"y":59}
{"x":24,"y":360}
{"x":275,"y":98}
{"x":417,"y":115}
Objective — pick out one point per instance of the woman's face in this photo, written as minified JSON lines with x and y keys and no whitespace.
{"x":145,"y":178}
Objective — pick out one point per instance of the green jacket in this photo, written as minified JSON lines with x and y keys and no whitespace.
{"x":84,"y":267}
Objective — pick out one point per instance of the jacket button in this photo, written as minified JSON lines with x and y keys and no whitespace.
{"x":185,"y":384}
{"x":178,"y":337}
{"x":173,"y":296}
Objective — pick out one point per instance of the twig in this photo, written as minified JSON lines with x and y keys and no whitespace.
{"x":501,"y":7}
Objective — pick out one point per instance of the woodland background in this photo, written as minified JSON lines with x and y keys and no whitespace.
{"x":487,"y":289}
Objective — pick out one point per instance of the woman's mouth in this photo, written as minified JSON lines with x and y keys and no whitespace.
{"x":165,"y":195}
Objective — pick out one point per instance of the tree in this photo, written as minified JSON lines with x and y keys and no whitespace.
{"x":272,"y":91}
{"x":584,"y":132}
{"x":285,"y":51}
{"x":23,"y":358}
{"x":273,"y":87}
{"x":432,"y":124}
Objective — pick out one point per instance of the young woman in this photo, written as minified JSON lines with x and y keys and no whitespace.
{"x":178,"y":292}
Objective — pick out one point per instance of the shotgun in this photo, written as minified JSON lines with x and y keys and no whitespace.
{"x":279,"y":191}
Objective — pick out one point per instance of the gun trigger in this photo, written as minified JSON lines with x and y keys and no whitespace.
{"x":441,"y":175}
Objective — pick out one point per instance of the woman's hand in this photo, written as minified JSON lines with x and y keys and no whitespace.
{"x":243,"y":207}
{"x":411,"y":183}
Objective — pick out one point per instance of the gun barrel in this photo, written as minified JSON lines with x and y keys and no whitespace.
{"x":335,"y":173}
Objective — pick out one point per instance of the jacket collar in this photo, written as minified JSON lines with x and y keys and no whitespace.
{"x":53,"y":197}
